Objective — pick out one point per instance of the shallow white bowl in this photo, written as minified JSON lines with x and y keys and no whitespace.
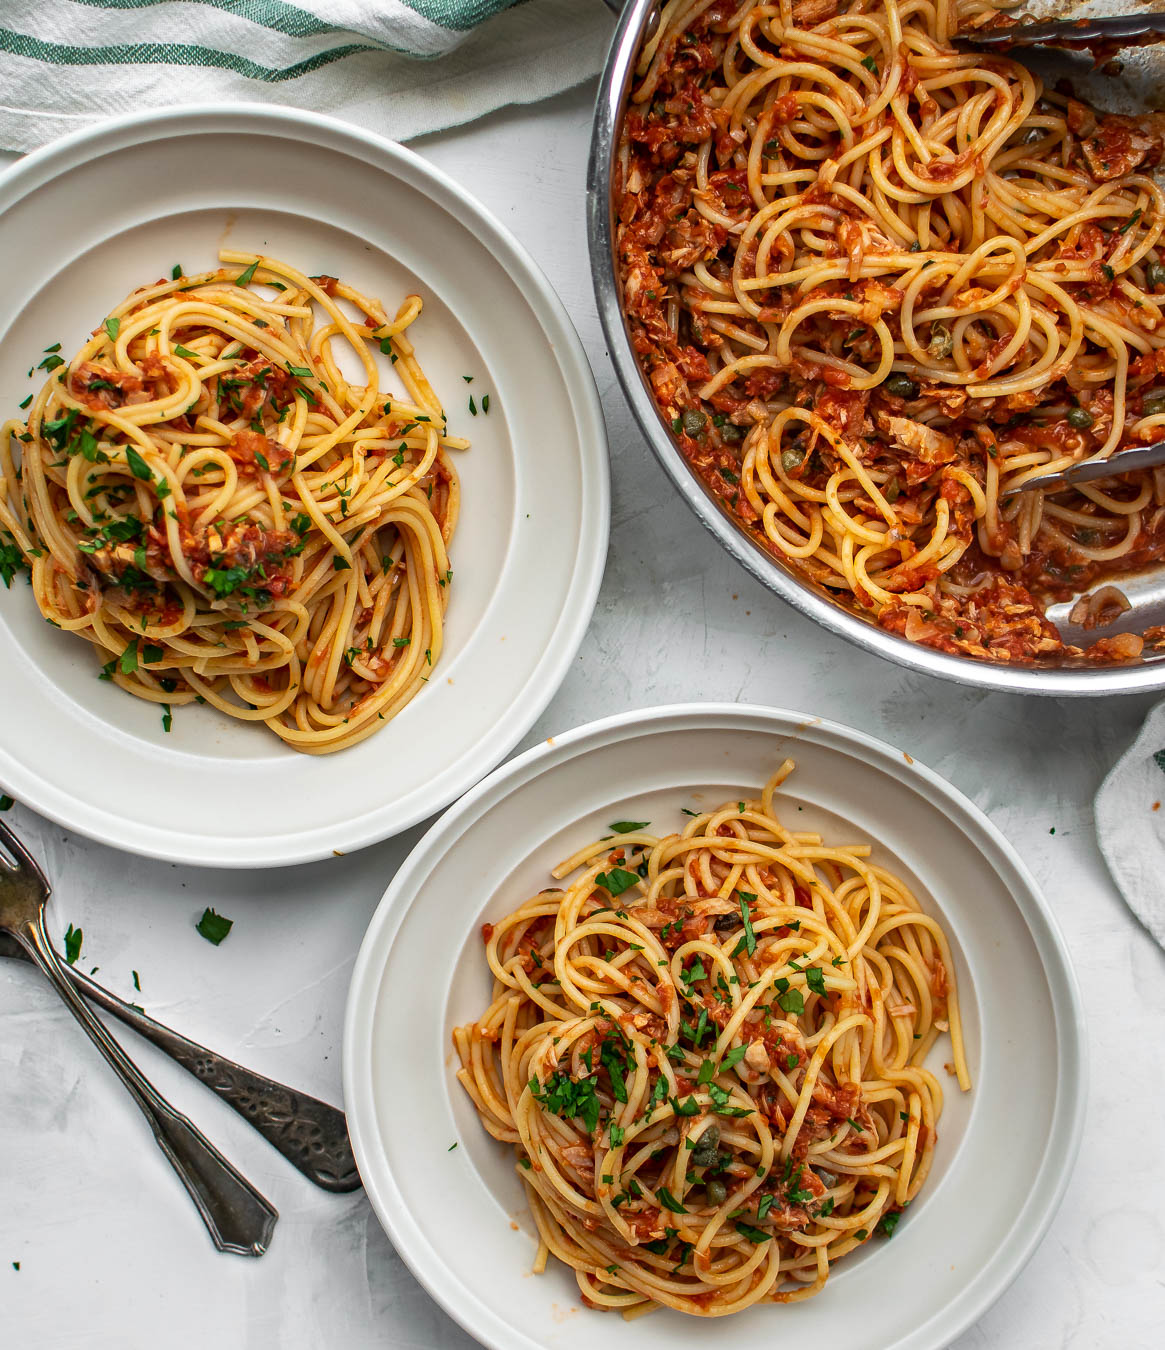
{"x":96,"y":214}
{"x":1004,"y":1152}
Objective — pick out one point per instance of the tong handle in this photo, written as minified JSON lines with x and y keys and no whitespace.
{"x":1118,"y":29}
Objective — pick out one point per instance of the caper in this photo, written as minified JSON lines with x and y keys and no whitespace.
{"x":731,"y":433}
{"x":716,"y":1191}
{"x":792,"y":459}
{"x":1080,"y":418}
{"x":704,"y":1154}
{"x":941,"y":343}
{"x":695,"y":421}
{"x":901,"y":386}
{"x":1153,"y":406}
{"x":1155,"y":275}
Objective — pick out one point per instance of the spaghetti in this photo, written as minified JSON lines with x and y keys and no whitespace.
{"x":708,"y":1051}
{"x":876,"y":283}
{"x":203,"y":495}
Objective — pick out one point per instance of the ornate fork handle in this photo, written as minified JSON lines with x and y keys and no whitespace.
{"x":310,"y":1134}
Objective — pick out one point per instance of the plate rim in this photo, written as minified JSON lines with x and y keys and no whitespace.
{"x":413,"y":1246}
{"x":48,"y":163}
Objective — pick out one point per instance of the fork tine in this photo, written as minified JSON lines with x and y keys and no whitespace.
{"x":25,"y":862}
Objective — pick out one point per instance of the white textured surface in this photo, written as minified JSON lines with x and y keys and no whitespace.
{"x":110,"y":1250}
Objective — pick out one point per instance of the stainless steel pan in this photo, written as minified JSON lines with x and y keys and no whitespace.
{"x":1146,"y":593}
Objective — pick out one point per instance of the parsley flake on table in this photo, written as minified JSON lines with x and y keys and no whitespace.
{"x":214,"y":927}
{"x":73,"y":939}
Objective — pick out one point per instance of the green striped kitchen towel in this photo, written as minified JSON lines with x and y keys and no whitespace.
{"x":66,"y":63}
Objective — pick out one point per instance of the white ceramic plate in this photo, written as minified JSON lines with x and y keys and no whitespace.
{"x":90,"y":217}
{"x":1004,"y":1152}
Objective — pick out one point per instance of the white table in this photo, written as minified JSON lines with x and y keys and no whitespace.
{"x":109,"y":1248}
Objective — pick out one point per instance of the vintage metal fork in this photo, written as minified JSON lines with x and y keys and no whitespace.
{"x":239,"y":1219}
{"x":310,"y":1134}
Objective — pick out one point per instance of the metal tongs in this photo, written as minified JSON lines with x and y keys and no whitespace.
{"x":1108,"y":33}
{"x":1124,"y":461}
{"x":1101,"y":36}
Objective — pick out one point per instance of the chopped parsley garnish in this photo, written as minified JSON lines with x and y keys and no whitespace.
{"x":179,"y":350}
{"x":754,"y":1235}
{"x":214,"y":927}
{"x":112,"y":326}
{"x":616,"y":1057}
{"x":791,"y":1001}
{"x":244,"y":278}
{"x":225,"y":581}
{"x":694,"y":972}
{"x":301,"y":372}
{"x":401,"y":642}
{"x":569,"y":1099}
{"x":668,"y":1201}
{"x":167,"y":717}
{"x":733,"y":1056}
{"x":815,"y":979}
{"x":748,"y":942}
{"x":11,"y":562}
{"x":340,"y":564}
{"x":888,"y":1223}
{"x":138,"y":466}
{"x":629,"y":826}
{"x":616,"y":881}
